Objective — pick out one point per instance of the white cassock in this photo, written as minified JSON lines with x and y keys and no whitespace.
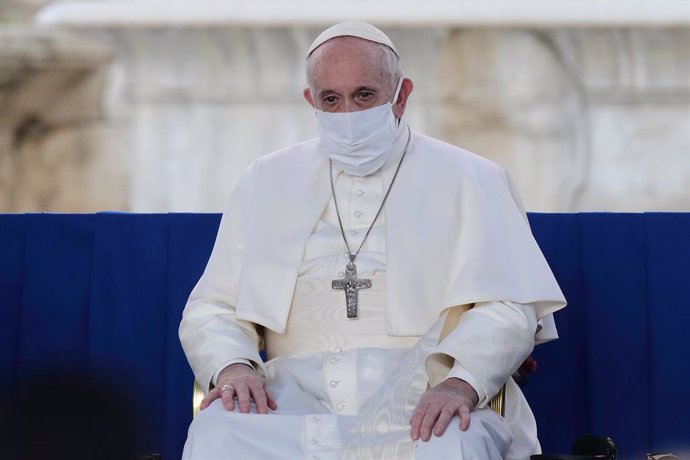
{"x":452,"y":234}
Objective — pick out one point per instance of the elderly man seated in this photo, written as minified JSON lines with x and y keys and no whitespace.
{"x":391,"y":278}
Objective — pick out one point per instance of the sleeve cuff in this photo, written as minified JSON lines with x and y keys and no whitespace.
{"x":459,"y":371}
{"x":214,"y":379}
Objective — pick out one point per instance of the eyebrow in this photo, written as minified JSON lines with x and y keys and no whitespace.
{"x":367,"y":88}
{"x":322,"y":93}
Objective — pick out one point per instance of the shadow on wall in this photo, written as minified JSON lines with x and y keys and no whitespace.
{"x":60,"y":417}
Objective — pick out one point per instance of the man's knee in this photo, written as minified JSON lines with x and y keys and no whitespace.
{"x":210,"y":423}
{"x":488,"y":437}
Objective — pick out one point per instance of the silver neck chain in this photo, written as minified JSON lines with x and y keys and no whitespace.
{"x":385,"y":197}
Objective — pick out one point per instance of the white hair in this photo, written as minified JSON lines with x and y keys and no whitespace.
{"x":390,"y":61}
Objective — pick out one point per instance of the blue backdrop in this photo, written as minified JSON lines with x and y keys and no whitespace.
{"x":101,"y":296}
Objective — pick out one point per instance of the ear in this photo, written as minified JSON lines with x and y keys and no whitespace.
{"x":307,"y":96}
{"x":401,"y":103}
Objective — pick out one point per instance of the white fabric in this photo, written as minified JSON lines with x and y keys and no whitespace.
{"x":360,"y":141}
{"x":490,"y":342}
{"x":463,"y":241}
{"x":456,"y":215}
{"x":325,"y":259}
{"x":352,"y":29}
{"x":347,"y":404}
{"x":521,"y":318}
{"x":332,"y":368}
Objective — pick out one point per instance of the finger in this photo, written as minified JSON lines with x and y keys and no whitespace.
{"x":416,"y":420}
{"x":259,"y":396}
{"x":443,"y":420}
{"x":464,"y":417}
{"x":229,"y":398}
{"x":243,"y":397}
{"x":271,"y":402}
{"x":428,"y":422}
{"x":209,"y":398}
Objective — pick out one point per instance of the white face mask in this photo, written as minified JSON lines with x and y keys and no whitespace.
{"x":359,"y":142}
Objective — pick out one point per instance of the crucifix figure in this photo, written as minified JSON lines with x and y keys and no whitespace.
{"x":351,"y":285}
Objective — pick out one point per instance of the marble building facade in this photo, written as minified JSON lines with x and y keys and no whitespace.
{"x":107,"y":106}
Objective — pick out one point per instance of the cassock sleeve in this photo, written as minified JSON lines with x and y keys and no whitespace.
{"x":210,"y":332}
{"x":488,"y":344}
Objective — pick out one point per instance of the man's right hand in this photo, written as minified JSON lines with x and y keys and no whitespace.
{"x":244,"y":383}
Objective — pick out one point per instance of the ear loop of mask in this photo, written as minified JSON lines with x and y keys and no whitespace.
{"x":398,"y":87}
{"x":395,"y":97}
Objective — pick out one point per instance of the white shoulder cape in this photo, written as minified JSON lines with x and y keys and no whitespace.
{"x":455,"y":234}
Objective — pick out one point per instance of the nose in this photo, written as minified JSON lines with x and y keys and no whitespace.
{"x":347,"y":106}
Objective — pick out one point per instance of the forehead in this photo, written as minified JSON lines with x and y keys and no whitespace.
{"x":348,"y":62}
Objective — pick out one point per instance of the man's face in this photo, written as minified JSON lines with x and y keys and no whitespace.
{"x":348,"y":76}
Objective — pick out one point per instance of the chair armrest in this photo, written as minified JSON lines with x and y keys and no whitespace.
{"x":197,"y":395}
{"x":498,"y":402}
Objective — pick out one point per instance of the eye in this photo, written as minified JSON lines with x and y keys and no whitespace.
{"x":329,"y":100}
{"x":365,"y":95}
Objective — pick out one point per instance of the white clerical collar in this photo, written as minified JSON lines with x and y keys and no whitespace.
{"x":387,"y":170}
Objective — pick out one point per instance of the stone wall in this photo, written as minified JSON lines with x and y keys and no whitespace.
{"x":583,"y":118}
{"x":19,"y":11}
{"x":58,"y":151}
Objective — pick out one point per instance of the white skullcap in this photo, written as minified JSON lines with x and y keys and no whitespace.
{"x":353,"y":29}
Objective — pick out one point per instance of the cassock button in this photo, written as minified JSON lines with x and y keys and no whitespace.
{"x":333,"y":383}
{"x":316,"y":419}
{"x":360,"y":192}
{"x":354,"y":232}
{"x":338,"y":349}
{"x":357,"y":214}
{"x":313,"y":441}
{"x":333,"y":360}
{"x":340,"y":407}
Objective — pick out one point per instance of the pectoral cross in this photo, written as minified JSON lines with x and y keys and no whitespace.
{"x":351,"y":285}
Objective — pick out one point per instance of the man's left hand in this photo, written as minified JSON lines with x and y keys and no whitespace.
{"x":438,"y":405}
